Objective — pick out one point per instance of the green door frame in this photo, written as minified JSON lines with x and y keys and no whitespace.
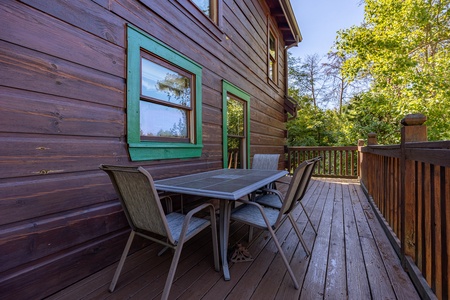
{"x":229,"y":88}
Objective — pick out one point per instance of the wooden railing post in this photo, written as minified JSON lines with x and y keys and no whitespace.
{"x":372,"y":139}
{"x":413,"y":130}
{"x":360,"y":157}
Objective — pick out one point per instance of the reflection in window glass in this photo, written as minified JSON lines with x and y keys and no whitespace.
{"x":272,"y":45}
{"x":164,"y":84}
{"x":162,"y":121}
{"x":204,"y":6}
{"x":272,"y":57}
{"x":235,"y":117}
{"x":235,"y":153}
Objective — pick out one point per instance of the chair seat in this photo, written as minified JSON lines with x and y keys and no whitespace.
{"x":175,"y":223}
{"x":250,"y":214}
{"x":270,"y":200}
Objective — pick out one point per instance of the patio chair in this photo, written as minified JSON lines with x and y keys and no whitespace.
{"x":265,"y":161}
{"x":145,"y":215}
{"x":270,"y":219}
{"x":271,"y":199}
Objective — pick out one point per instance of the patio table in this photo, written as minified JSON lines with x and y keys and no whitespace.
{"x":223,"y":184}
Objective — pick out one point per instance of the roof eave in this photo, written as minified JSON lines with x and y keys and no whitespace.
{"x":291,"y":22}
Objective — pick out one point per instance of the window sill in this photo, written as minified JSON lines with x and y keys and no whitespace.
{"x":156,"y":151}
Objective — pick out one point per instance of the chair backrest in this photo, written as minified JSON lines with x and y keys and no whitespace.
{"x":139,"y":198}
{"x":310,"y":171}
{"x":298,"y":179}
{"x":298,"y":185}
{"x":265,"y":161}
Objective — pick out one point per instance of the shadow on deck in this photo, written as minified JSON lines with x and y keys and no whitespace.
{"x":351,"y":258}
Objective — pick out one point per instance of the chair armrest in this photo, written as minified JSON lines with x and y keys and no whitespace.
{"x":261,"y":210}
{"x":276,"y":192}
{"x":189,"y":215}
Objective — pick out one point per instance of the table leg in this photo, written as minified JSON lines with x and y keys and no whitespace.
{"x":224,"y":226}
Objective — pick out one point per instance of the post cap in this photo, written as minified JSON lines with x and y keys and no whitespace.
{"x":413,"y":119}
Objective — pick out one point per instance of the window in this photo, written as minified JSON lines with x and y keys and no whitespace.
{"x":273,"y":56}
{"x":236,"y":120}
{"x":209,"y":8}
{"x":163,"y":101}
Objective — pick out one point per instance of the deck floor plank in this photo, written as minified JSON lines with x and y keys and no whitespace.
{"x":314,"y":283}
{"x":401,"y":284}
{"x":336,"y":285}
{"x":351,"y":259}
{"x":357,"y":281}
{"x":380,"y":286}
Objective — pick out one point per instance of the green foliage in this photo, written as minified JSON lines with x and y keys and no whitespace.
{"x":404,"y":48}
{"x":312,"y":126}
{"x":401,"y":54}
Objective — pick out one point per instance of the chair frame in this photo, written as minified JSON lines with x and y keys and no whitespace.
{"x":167,"y":238}
{"x":299,"y":195}
{"x":289,"y":203}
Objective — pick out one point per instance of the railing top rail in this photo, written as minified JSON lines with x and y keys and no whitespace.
{"x":438,"y":157}
{"x":431,"y":145}
{"x":389,"y":150}
{"x":321,"y":148}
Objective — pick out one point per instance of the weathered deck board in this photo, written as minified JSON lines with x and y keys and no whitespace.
{"x":351,"y":258}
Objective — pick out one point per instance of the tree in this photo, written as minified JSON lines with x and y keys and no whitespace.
{"x":308,"y":77}
{"x":403,"y":47}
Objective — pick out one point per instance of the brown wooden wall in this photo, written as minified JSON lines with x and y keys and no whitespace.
{"x":63,"y":113}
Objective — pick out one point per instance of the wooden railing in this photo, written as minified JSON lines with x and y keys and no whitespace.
{"x":410,"y":186}
{"x":336,"y":161}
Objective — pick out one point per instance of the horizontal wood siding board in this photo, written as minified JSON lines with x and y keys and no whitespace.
{"x":52,"y":155}
{"x":210,"y":115}
{"x":269,"y":112}
{"x":85,"y":15}
{"x":33,"y":241}
{"x":61,"y":38}
{"x":250,"y":19}
{"x":64,"y":268}
{"x":212,"y":98}
{"x":27,"y":69}
{"x":240,"y":30}
{"x":37,"y":113}
{"x":267,"y":129}
{"x":33,"y":197}
{"x":265,"y":140}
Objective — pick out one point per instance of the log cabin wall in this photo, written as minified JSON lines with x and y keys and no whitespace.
{"x":63,"y":113}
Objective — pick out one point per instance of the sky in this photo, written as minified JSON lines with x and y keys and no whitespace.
{"x":319,"y":20}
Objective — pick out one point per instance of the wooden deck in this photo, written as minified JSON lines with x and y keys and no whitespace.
{"x":351,"y":258}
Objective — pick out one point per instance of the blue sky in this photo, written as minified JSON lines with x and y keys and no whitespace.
{"x":320,"y":19}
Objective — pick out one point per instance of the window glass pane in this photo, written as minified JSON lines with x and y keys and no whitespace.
{"x":271,"y":71}
{"x":235,"y":152}
{"x":204,"y":6}
{"x":162,"y":121}
{"x":235,"y":117}
{"x":272,"y":46}
{"x":164,"y":84}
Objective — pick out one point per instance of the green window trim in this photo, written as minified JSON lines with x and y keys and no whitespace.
{"x":151,"y":150}
{"x":234,"y":90}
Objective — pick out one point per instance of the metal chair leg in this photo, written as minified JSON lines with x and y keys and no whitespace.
{"x":286,"y":262}
{"x":122,"y":261}
{"x":307,"y":216}
{"x":299,"y":234}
